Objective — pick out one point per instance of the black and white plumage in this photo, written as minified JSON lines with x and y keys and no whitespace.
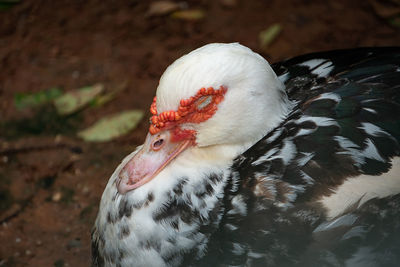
{"x":298,"y":168}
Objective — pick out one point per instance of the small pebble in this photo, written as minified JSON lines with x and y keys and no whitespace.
{"x":75,"y":74}
{"x":56,"y":197}
{"x":4,"y":159}
{"x":17,"y":240}
{"x":85,"y":190}
{"x":28,"y":252}
{"x":58,"y":138}
{"x":39,"y":243}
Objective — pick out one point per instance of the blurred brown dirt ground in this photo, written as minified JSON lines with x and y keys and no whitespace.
{"x":51,"y":184}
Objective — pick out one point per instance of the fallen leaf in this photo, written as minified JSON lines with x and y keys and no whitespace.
{"x":190,"y":14}
{"x":228,"y":3}
{"x":6,"y":4}
{"x":386,"y":9}
{"x":267,"y":36}
{"x":74,"y":100}
{"x":389,"y":10}
{"x":28,"y":100}
{"x":105,"y":98}
{"x":112,"y":126}
{"x":160,"y":8}
{"x":395,"y":21}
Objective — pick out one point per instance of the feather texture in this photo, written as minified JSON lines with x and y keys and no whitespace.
{"x":270,"y":205}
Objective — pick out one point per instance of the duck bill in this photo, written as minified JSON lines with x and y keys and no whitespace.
{"x":157,"y":152}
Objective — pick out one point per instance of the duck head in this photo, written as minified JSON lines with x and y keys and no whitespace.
{"x":219,"y":97}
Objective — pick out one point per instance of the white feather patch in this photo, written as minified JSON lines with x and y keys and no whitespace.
{"x":351,"y":149}
{"x":320,"y":67}
{"x":345,"y":220}
{"x":320,"y":121}
{"x":372,"y":152}
{"x":372,"y":129}
{"x":330,"y":95}
{"x":324,"y":69}
{"x":312,"y":63}
{"x":288,"y":151}
{"x":370,"y":110}
{"x":361,"y":189}
{"x":284,"y":77}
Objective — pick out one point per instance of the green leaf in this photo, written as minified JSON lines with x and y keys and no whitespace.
{"x":190,"y":14}
{"x":103,"y":99}
{"x":75,"y":100}
{"x":395,"y":21}
{"x":267,"y":36}
{"x":107,"y":97}
{"x":7,"y":4}
{"x":28,"y":100}
{"x":112,"y":126}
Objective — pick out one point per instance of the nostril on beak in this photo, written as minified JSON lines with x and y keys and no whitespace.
{"x":158,"y":144}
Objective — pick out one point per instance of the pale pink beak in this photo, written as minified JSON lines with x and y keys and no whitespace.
{"x":158,"y":150}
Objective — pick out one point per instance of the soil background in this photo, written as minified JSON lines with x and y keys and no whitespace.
{"x":50,"y":180}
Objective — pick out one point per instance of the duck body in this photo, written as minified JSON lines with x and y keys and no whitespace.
{"x":320,"y":185}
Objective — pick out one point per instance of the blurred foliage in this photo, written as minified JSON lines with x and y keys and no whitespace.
{"x":160,"y":8}
{"x":388,"y":10}
{"x":76,"y":100}
{"x":28,"y":100}
{"x":56,"y":113}
{"x":112,"y":126}
{"x":267,"y":36}
{"x":190,"y":14}
{"x":6,"y":4}
{"x":45,"y":120}
{"x":395,"y":21}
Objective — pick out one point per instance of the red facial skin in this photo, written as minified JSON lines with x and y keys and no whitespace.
{"x":195,"y":109}
{"x":166,"y":139}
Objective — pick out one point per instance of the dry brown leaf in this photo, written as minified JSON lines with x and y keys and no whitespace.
{"x":228,"y":3}
{"x":386,"y":9}
{"x":161,"y":8}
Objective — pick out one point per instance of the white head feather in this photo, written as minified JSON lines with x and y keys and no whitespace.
{"x":255,"y":101}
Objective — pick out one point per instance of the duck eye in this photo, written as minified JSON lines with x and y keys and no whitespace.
{"x":203,"y":102}
{"x":158,"y":144}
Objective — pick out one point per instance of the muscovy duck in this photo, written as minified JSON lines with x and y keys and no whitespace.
{"x":251,"y":165}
